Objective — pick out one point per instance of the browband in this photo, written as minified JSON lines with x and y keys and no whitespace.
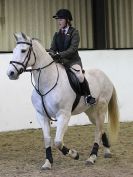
{"x":21,"y":42}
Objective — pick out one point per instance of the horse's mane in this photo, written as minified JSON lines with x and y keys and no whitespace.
{"x":38,"y":45}
{"x":37,"y":39}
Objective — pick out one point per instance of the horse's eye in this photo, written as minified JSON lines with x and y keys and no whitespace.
{"x":23,"y":50}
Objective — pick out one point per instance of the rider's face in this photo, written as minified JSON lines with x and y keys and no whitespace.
{"x":61,"y":23}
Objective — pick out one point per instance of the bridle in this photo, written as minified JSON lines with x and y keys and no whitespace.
{"x":24,"y":69}
{"x":26,"y":60}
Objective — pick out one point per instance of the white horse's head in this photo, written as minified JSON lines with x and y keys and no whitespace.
{"x":23,"y":56}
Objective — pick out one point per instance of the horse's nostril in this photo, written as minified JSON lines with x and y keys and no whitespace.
{"x":11,"y":73}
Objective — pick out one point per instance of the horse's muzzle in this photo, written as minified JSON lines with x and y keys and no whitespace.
{"x":12,"y":75}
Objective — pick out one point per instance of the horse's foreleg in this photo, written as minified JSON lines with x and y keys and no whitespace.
{"x":45,"y":125}
{"x":62,"y":126}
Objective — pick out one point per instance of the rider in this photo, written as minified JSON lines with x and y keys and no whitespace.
{"x":64,"y":49}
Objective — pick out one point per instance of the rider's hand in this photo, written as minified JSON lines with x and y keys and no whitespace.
{"x":51,"y":54}
{"x":56,"y":57}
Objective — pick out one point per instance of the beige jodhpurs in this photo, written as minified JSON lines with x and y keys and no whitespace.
{"x":77,"y":70}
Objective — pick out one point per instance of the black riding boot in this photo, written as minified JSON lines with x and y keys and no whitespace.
{"x":85,"y":88}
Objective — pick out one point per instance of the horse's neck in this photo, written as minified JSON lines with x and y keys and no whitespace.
{"x":42,"y":57}
{"x":48,"y":75}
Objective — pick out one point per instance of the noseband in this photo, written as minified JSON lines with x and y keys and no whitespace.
{"x":26,"y":60}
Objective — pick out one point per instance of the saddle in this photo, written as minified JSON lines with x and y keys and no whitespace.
{"x":75,"y":84}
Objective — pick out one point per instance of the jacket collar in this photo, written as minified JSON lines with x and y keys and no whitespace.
{"x":70,"y":30}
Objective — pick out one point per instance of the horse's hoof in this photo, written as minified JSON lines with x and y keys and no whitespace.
{"x":73,"y":154}
{"x":107,"y":155}
{"x":89,"y":163}
{"x":45,"y":168}
{"x":47,"y":165}
{"x":77,"y":157}
{"x":91,"y":160}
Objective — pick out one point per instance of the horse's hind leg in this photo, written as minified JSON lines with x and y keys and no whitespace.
{"x":107,"y":153}
{"x":62,"y":126}
{"x":97,"y":116}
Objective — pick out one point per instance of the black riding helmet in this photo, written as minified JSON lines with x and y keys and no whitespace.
{"x":63,"y":14}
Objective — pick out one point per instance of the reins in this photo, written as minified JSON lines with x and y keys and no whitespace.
{"x":35,"y":69}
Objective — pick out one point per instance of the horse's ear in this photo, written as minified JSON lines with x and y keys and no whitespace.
{"x":24,"y":36}
{"x":16,"y":37}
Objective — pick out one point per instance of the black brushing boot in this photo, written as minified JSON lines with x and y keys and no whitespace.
{"x":85,"y":88}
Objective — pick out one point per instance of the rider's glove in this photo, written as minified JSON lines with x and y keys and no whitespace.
{"x":56,"y":57}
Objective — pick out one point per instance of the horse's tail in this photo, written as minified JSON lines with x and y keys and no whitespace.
{"x":113,"y":116}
